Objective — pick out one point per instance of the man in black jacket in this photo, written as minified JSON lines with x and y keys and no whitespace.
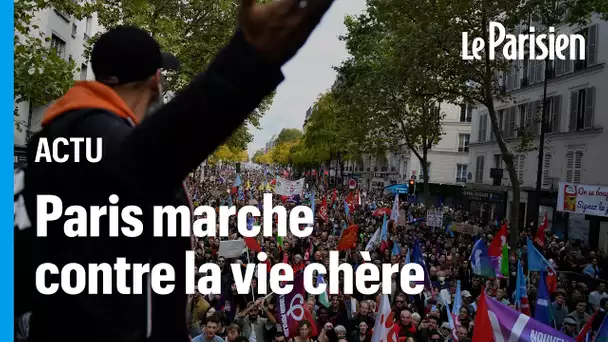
{"x":145,"y":161}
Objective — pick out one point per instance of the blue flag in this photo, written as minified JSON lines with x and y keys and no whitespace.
{"x":230,"y":200}
{"x":407,"y":256}
{"x":536,"y":261}
{"x":602,"y":332}
{"x":457,"y":299}
{"x":384,"y":230}
{"x":419,"y":259}
{"x":480,"y":260}
{"x":396,"y":249}
{"x":541,"y":311}
{"x":250,"y":221}
{"x":237,"y":181}
{"x":346,"y":211}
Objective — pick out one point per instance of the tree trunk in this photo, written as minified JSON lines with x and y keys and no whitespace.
{"x":425,"y":171}
{"x":507,"y":156}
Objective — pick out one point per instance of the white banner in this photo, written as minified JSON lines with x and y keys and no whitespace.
{"x":434,"y":218}
{"x":583,"y":199}
{"x":287,"y":187}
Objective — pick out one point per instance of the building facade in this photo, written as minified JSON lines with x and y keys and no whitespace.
{"x":270,"y":144}
{"x":575,"y":143}
{"x":69,"y":36}
{"x":448,"y":161}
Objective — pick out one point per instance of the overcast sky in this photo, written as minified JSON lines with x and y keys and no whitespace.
{"x":308,"y":74}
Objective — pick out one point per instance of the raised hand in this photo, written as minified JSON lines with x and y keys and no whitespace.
{"x":279,"y":29}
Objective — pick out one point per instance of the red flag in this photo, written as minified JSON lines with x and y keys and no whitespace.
{"x":252,"y":244}
{"x":334,"y":196}
{"x":551,"y":280}
{"x":483,"y":327}
{"x":583,"y":333}
{"x":309,"y":317}
{"x":348,"y":239}
{"x":500,"y":239}
{"x":351,"y":200}
{"x":540,"y":232}
{"x":323,"y":210}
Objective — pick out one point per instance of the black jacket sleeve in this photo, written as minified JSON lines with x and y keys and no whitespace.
{"x":180,"y":135}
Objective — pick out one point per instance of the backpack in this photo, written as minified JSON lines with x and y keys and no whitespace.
{"x":28,"y":248}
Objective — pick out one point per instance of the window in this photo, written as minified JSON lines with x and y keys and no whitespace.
{"x":535,"y":71}
{"x":524,"y":82}
{"x":519,"y":162}
{"x":590,"y":35}
{"x":463,"y":142}
{"x":483,"y":127}
{"x":507,"y":118}
{"x":466,"y":113}
{"x":581,"y":109}
{"x":479,"y":169}
{"x":498,"y":161}
{"x":546,"y":171}
{"x":461,"y":173}
{"x":522,"y":119}
{"x":574,"y":166}
{"x":59,"y":45}
{"x":83,"y":72}
{"x":74,"y":30}
{"x":532,"y":117}
{"x":553,"y":114}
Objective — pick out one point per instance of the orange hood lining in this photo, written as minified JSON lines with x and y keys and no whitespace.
{"x":89,"y":94}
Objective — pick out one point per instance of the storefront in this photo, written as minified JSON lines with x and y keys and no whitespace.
{"x":20,"y":154}
{"x":486,"y":204}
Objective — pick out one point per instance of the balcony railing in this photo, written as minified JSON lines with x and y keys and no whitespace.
{"x":461,"y":180}
{"x":463,"y":149}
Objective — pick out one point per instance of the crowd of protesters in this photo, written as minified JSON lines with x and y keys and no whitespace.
{"x":579,"y":295}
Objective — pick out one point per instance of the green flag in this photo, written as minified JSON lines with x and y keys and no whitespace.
{"x":504,"y":265}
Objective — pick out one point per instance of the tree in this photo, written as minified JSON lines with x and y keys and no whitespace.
{"x":41,"y":75}
{"x":257,"y":155}
{"x":288,"y":135}
{"x":281,"y":153}
{"x":429,"y":36}
{"x":266,"y":159}
{"x":330,"y":133}
{"x":194,"y":31}
{"x":394,"y":101}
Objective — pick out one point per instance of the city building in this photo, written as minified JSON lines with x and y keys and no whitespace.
{"x":69,"y":36}
{"x":575,"y":143}
{"x":270,"y":144}
{"x":448,"y":161}
{"x":308,"y":113}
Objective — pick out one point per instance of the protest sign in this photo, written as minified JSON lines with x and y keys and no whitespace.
{"x":285,"y":187}
{"x":583,"y":199}
{"x":434,"y":218}
{"x":231,"y":248}
{"x":465,"y":228}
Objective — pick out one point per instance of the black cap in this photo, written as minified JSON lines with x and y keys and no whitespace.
{"x":128,"y":54}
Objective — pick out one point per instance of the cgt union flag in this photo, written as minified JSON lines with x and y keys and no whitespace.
{"x":384,"y":328}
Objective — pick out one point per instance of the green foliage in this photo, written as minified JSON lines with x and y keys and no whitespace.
{"x":40,"y":74}
{"x":288,"y":135}
{"x":396,"y":102}
{"x":194,"y":31}
{"x":416,"y":47}
{"x":257,"y":155}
